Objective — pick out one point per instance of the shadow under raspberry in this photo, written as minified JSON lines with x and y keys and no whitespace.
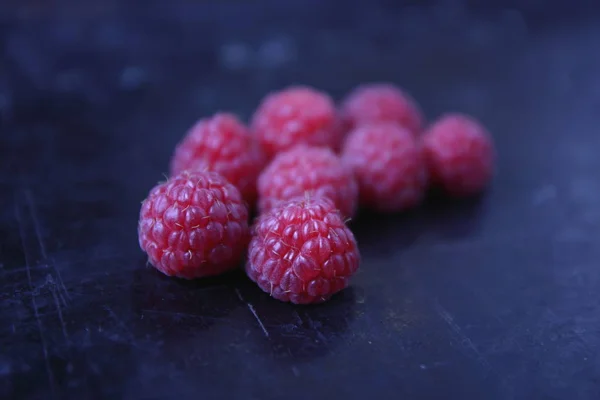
{"x":438,"y":216}
{"x":459,"y":218}
{"x":301,"y":332}
{"x":173,"y":308}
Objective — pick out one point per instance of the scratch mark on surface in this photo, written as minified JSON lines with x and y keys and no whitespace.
{"x":434,"y":365}
{"x":24,"y":269}
{"x":300,"y":322}
{"x":33,"y":301}
{"x":314,"y":328}
{"x":253,"y":311}
{"x":575,"y":331}
{"x":464,"y":339}
{"x":38,"y":234}
{"x":62,"y":298}
{"x":295,"y":371}
{"x":29,"y":199}
{"x":119,"y":322}
{"x":58,"y":307}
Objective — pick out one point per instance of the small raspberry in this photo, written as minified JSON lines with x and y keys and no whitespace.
{"x":316,"y":170}
{"x":302,"y":252}
{"x":377,"y":102}
{"x":296,"y":115}
{"x":194,"y":225}
{"x":460,"y":155}
{"x":224,"y":145}
{"x":388,"y":165}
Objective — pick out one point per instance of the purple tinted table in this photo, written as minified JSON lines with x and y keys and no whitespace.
{"x":495,"y":298}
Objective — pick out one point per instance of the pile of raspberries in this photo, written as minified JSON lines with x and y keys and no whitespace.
{"x":303,"y":166}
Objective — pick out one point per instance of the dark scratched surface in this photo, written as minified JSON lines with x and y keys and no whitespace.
{"x":489,"y":299}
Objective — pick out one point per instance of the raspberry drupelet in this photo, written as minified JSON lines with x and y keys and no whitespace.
{"x":460,"y":155}
{"x":223,"y":144}
{"x":302,"y":169}
{"x":388,"y":164}
{"x":302,"y":252}
{"x":378,"y":102}
{"x":194,"y":225}
{"x":296,"y":115}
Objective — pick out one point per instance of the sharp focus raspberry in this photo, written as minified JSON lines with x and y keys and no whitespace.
{"x":388,"y":164}
{"x":302,"y":252}
{"x":296,"y":115}
{"x":224,"y":145}
{"x":316,"y":170}
{"x":379,"y":102}
{"x":194,"y":225}
{"x":460,"y":155}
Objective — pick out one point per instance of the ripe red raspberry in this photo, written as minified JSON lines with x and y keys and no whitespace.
{"x":460,"y":155}
{"x":222,"y":144}
{"x":302,"y":252}
{"x":316,"y":170}
{"x":194,"y":225}
{"x":296,"y":115}
{"x":388,"y":164}
{"x":379,"y":102}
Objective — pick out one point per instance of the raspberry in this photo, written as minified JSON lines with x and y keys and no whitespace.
{"x":296,"y":115}
{"x":388,"y":164}
{"x":378,"y":102}
{"x":302,"y":252}
{"x":224,"y":145}
{"x":316,"y":170}
{"x":460,"y":155}
{"x":194,"y":225}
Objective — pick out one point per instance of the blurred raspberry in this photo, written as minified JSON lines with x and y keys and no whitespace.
{"x":380,"y":102}
{"x":222,"y":144}
{"x":460,"y":155}
{"x":316,"y":170}
{"x":302,"y":252}
{"x":194,"y":225}
{"x":296,"y":115}
{"x":388,"y":165}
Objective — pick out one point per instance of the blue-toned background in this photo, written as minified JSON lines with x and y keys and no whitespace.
{"x":489,"y":299}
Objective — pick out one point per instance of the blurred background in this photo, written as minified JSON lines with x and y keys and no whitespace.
{"x":496,"y":299}
{"x":149,"y":69}
{"x":156,"y":66}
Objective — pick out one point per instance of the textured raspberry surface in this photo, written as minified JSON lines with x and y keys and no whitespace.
{"x":224,"y":145}
{"x":379,"y":102}
{"x":316,"y":170}
{"x":302,"y":251}
{"x":296,"y":115}
{"x":194,"y":225}
{"x":388,"y":164}
{"x":460,"y":155}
